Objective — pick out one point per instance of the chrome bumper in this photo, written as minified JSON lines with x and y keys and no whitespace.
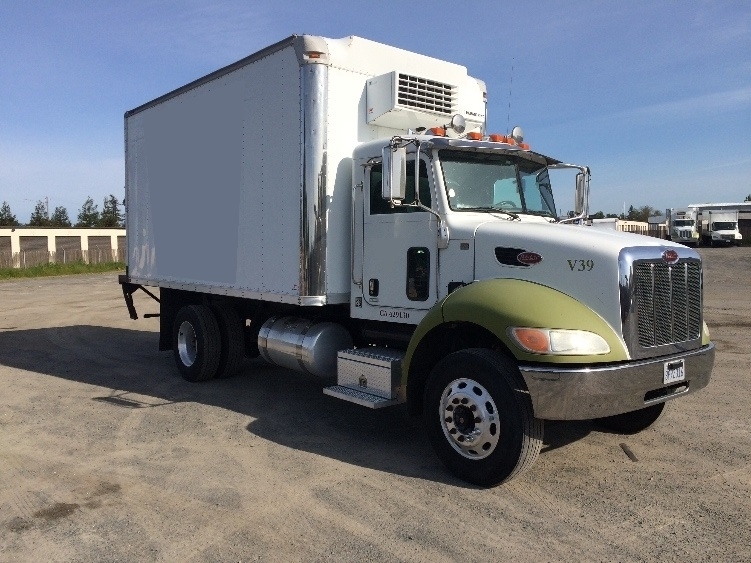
{"x":560,"y":393}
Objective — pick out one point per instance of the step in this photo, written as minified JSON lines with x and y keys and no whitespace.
{"x":359,"y":397}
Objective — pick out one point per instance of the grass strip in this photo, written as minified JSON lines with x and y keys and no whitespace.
{"x":71,"y":268}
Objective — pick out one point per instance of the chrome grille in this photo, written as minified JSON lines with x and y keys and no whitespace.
{"x":667,"y":302}
{"x":430,"y":95}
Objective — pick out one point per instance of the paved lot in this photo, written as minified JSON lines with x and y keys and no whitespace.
{"x":106,"y":454}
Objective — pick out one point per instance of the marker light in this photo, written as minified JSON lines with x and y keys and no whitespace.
{"x":560,"y":342}
{"x":438,"y":131}
{"x":474,"y":136}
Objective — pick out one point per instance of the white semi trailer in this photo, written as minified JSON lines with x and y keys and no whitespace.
{"x":338,"y":207}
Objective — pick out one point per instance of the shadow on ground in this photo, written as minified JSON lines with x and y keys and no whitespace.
{"x":287,"y":408}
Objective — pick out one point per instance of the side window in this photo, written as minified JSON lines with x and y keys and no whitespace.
{"x":379,"y":206}
{"x":418,"y":274}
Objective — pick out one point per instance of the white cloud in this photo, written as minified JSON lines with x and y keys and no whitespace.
{"x":705,"y":104}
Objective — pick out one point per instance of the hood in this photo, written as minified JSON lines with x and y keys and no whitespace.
{"x":580,"y":261}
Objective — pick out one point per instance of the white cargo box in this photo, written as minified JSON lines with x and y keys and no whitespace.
{"x":240,"y":183}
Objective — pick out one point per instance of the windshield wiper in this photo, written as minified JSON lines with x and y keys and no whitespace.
{"x":499,"y":210}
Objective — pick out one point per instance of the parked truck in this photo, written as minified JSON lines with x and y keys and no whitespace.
{"x":720,"y":228}
{"x":683,"y":226}
{"x":338,"y":207}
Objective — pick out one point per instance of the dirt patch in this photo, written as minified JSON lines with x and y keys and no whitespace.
{"x":56,"y":511}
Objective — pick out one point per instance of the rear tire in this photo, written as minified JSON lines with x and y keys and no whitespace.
{"x":479,"y":417}
{"x":633,"y":422}
{"x":233,"y":341}
{"x":196,"y":343}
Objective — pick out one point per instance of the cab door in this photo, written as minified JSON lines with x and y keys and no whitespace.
{"x":400,"y":251}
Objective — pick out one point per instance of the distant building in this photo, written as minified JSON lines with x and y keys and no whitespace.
{"x":651,"y":229}
{"x":31,"y":246}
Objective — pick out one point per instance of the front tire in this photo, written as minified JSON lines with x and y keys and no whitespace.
{"x":479,"y":417}
{"x":196,"y":343}
{"x":633,"y":422}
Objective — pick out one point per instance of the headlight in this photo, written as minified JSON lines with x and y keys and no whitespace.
{"x":559,"y":341}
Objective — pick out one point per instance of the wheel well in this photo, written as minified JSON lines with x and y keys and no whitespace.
{"x":439,"y":343}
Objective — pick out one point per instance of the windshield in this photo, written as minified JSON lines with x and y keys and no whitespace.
{"x":486,"y":182}
{"x":723,"y":226}
{"x":683,"y":223}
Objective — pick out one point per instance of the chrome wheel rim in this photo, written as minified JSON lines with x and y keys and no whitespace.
{"x":187,"y":345}
{"x":469,"y":418}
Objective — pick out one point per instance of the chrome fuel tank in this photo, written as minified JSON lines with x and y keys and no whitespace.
{"x":303,"y":345}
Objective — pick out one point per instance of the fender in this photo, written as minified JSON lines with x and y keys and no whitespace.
{"x":497,"y":304}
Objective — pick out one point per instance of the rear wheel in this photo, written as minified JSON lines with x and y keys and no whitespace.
{"x":233,"y":340}
{"x":633,"y":422}
{"x":196,"y":343}
{"x":479,"y":417}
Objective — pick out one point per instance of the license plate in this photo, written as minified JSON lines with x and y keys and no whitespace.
{"x":674,"y":371}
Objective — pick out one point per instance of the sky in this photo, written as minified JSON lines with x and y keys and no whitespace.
{"x":655,"y":97}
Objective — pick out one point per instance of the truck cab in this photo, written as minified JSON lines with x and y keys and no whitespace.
{"x":721,"y":228}
{"x":683,"y":227}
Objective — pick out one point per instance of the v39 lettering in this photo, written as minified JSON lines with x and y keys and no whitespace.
{"x":581,"y":265}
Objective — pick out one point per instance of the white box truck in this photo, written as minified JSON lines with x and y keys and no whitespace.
{"x":683,"y":226}
{"x":338,"y":207}
{"x":720,"y":228}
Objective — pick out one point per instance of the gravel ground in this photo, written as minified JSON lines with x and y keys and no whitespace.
{"x":106,"y":454}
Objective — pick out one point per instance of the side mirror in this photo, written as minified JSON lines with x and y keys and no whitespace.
{"x":394,"y":185}
{"x":581,"y":203}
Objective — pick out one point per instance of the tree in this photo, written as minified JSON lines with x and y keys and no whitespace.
{"x":39,"y":216}
{"x":88,"y":216}
{"x":642,"y":214}
{"x":7,"y":219}
{"x":111,"y":216}
{"x":748,"y":198}
{"x":60,"y":217}
{"x":598,"y":215}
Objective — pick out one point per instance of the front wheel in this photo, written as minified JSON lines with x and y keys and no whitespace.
{"x":479,"y":417}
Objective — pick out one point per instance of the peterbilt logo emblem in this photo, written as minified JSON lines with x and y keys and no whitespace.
{"x":670,"y":256}
{"x":529,"y":258}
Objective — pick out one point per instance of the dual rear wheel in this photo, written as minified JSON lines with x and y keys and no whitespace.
{"x":207,"y":342}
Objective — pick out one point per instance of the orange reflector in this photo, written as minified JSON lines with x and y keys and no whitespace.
{"x":496,"y":138}
{"x":474,"y":136}
{"x":438,"y":131}
{"x":313,"y":55}
{"x":524,"y":146}
{"x":532,"y":339}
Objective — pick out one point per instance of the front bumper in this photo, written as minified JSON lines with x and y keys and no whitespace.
{"x":560,"y":393}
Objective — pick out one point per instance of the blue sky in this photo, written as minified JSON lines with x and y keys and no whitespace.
{"x":654,"y":96}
